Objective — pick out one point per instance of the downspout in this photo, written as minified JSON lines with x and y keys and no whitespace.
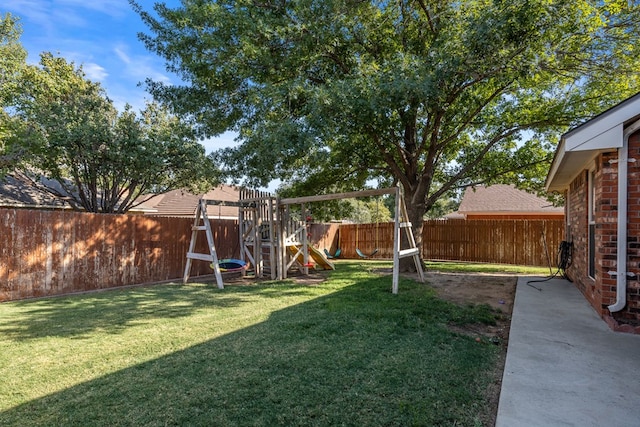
{"x":623,"y":167}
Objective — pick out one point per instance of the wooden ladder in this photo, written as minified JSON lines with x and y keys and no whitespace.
{"x":201,"y":223}
{"x":402,"y":223}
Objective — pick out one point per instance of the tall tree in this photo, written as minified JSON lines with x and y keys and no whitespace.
{"x":101,"y":160}
{"x":12,"y":61}
{"x":431,"y":94}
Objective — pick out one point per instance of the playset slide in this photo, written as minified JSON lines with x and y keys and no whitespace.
{"x":315,"y":254}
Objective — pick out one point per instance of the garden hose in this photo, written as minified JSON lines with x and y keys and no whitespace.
{"x":564,"y":261}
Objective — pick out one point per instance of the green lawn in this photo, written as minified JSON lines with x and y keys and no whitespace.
{"x":345,"y":352}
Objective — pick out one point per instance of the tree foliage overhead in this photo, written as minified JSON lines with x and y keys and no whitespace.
{"x":100,"y":160}
{"x":431,"y":94}
{"x":12,"y":59}
{"x":12,"y":56}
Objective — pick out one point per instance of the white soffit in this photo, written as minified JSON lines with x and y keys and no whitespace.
{"x":579,"y":146}
{"x":605,"y":130}
{"x":595,"y":138}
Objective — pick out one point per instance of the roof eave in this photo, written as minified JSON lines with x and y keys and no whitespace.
{"x":567,"y":166}
{"x":580,"y":145}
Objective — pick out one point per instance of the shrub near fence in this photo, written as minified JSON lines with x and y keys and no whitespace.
{"x":46,"y":253}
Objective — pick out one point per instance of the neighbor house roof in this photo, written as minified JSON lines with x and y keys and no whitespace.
{"x":502,"y":199}
{"x":183,"y":203}
{"x":17,"y":192}
{"x":579,"y":146}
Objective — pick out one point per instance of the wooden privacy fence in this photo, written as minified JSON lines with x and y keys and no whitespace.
{"x":521,"y":242}
{"x":367,"y":238}
{"x":46,"y":253}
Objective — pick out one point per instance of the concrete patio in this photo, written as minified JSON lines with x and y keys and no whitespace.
{"x":564,"y":366}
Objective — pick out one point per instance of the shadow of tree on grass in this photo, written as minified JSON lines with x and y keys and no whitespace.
{"x":116,"y":309}
{"x":357,"y":356}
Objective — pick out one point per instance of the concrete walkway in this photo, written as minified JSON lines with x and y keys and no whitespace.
{"x":564,"y":366}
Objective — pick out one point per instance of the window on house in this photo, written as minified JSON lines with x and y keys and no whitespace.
{"x":591,"y":200}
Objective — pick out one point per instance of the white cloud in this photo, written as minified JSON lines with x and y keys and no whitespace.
{"x":119,"y":50}
{"x":115,"y":8}
{"x":54,"y":14}
{"x":35,"y":11}
{"x":140,"y":67}
{"x":68,"y":18}
{"x":100,"y":36}
{"x":94,"y":71}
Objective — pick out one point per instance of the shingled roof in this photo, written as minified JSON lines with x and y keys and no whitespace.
{"x":183,"y":203}
{"x":16,"y":192}
{"x":502,"y":199}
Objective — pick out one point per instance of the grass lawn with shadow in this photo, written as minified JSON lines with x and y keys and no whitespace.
{"x":342,"y":352}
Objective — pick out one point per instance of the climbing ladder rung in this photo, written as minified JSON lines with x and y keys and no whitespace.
{"x":408,"y":252}
{"x":211,"y":256}
{"x":201,"y":257}
{"x":402,"y":223}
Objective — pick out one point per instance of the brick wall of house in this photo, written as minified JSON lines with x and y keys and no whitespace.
{"x":601,"y":292}
{"x":577,"y":234}
{"x":606,"y":230}
{"x":633,"y":261}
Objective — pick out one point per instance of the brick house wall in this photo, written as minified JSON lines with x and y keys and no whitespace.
{"x":600,"y":290}
{"x":633,"y":238}
{"x":577,"y":225}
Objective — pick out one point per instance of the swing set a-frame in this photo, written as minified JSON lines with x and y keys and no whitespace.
{"x":272,"y":242}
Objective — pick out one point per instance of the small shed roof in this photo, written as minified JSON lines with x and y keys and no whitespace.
{"x":504,"y":199}
{"x":579,"y":146}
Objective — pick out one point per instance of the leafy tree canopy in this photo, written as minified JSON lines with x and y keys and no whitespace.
{"x":433,"y":95}
{"x":12,"y":58}
{"x":101,"y":159}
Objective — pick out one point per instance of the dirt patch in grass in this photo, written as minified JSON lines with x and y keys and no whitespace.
{"x":315,"y":277}
{"x":495,"y":289}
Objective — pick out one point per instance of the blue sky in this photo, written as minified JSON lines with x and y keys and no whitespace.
{"x":102,"y":36}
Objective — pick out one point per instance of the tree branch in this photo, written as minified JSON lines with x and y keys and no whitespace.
{"x":427,"y":13}
{"x":505,"y":172}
